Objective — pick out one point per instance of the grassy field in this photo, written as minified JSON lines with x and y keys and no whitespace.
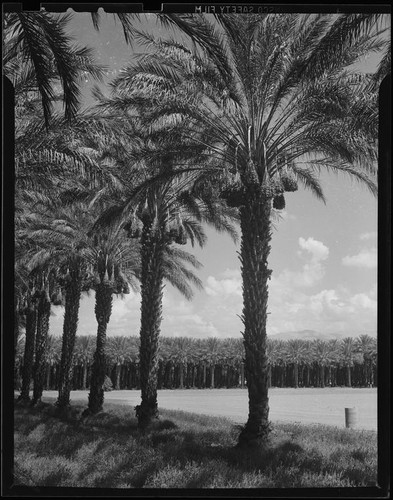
{"x":183,"y":450}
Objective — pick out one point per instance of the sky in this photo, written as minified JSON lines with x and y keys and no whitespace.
{"x":323,"y":257}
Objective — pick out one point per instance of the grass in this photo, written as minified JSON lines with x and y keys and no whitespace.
{"x":183,"y":450}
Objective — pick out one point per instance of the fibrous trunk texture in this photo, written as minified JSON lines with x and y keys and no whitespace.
{"x":322,"y":376}
{"x":28,"y":358}
{"x":43,"y":314}
{"x":71,"y":315}
{"x":296,"y":374}
{"x":16,"y":338}
{"x":103,"y":311}
{"x":254,"y":252}
{"x":349,"y":381}
{"x":151,"y":316}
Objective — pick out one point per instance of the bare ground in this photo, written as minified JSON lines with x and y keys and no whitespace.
{"x":306,"y":405}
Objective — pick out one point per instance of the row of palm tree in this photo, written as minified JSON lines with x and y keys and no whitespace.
{"x":214,"y":130}
{"x":186,"y":362}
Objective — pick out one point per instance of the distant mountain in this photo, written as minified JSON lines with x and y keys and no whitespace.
{"x":314,"y":335}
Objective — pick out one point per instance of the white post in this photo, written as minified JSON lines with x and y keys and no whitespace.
{"x":351,"y":417}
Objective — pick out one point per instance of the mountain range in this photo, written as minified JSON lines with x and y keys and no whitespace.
{"x":314,"y":335}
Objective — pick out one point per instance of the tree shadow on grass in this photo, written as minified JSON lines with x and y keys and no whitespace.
{"x":187,"y":448}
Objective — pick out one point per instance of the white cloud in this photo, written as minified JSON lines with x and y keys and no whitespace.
{"x":364,"y":301}
{"x":369,"y":236}
{"x":314,"y":252}
{"x":226,"y":286}
{"x":318,"y":250}
{"x":328,"y":310}
{"x":366,"y":258}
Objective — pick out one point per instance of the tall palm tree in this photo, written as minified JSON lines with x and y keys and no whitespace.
{"x":28,"y":358}
{"x":60,"y":233}
{"x":41,"y":298}
{"x":19,"y":354}
{"x":114,"y":265}
{"x":162,"y":215}
{"x":159,"y":262}
{"x":24,"y":306}
{"x":277,"y":102}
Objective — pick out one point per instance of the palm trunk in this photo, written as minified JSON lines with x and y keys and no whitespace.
{"x":204,"y":376}
{"x":224,"y":374}
{"x":181,"y":374}
{"x":103,"y":311}
{"x":16,"y":337}
{"x":151,"y":316}
{"x":48,"y":373}
{"x":242,"y":377}
{"x":212,"y":376}
{"x":269,"y":376}
{"x":43,"y":314}
{"x":296,"y":375}
{"x":118,"y":372}
{"x":308,"y":379}
{"x":371,"y":374}
{"x":84,"y":376}
{"x":72,"y":301}
{"x":28,"y":358}
{"x":255,"y":249}
{"x":322,"y":372}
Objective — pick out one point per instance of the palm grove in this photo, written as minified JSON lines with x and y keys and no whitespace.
{"x":212,"y":126}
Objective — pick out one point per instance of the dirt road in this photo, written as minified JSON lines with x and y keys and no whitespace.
{"x":323,"y":406}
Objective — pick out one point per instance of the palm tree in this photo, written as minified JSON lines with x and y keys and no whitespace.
{"x":295,"y":352}
{"x":41,"y":298}
{"x":213,"y":354}
{"x":117,"y":352}
{"x":366,"y":347}
{"x":52,"y":357}
{"x":273,"y":353}
{"x":181,"y":353}
{"x":60,"y":233}
{"x":28,"y":358}
{"x":159,"y":262}
{"x":37,"y":286}
{"x":114,"y":264}
{"x":162,"y":215}
{"x":349,"y":356}
{"x":39,"y":56}
{"x":71,"y":283}
{"x":19,"y":354}
{"x":277,"y":102}
{"x":236,"y":355}
{"x":24,"y":306}
{"x":325,"y":354}
{"x":84,"y":354}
